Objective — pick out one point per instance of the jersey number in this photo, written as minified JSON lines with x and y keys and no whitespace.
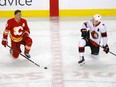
{"x":18,"y":30}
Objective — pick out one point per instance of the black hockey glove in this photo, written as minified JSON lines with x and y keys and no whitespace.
{"x":84,"y":33}
{"x":106,"y":49}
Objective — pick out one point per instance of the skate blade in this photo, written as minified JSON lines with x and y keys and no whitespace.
{"x":81,"y":64}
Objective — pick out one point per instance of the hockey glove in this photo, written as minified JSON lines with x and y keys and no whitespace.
{"x":106,"y":49}
{"x":84,"y":33}
{"x":4,"y":42}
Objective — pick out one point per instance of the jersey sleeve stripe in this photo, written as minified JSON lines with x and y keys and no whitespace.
{"x":104,"y":34}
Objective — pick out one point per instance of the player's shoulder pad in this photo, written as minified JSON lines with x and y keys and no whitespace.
{"x":10,"y":20}
{"x":89,"y":21}
{"x":23,"y":19}
{"x":103,"y":28}
{"x":102,"y":25}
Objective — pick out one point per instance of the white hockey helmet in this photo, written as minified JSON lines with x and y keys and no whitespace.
{"x":97,"y":17}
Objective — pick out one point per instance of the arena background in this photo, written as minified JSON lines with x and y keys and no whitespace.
{"x":46,"y":8}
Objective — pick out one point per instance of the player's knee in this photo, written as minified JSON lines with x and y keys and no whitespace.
{"x":15,"y":56}
{"x":95,"y":53}
{"x":29,"y":41}
{"x":82,"y":43}
{"x":95,"y":56}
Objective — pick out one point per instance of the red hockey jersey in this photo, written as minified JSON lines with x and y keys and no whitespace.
{"x":16,"y":29}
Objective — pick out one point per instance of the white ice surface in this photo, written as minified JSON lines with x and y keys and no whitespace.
{"x":100,"y":72}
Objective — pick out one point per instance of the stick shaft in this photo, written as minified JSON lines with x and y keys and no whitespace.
{"x":109,"y":51}
{"x":112,"y":53}
{"x":24,"y":56}
{"x":102,"y":47}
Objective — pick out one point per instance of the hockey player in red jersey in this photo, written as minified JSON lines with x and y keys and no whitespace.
{"x":92,"y":33}
{"x":18,"y":31}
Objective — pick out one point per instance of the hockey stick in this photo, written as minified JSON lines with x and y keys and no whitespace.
{"x":109,"y":51}
{"x":102,"y":47}
{"x":26,"y":57}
